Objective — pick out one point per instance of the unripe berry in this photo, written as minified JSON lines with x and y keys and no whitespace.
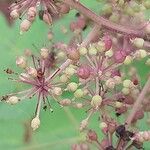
{"x":35,"y":123}
{"x":44,"y":52}
{"x":25,"y":25}
{"x":21,"y":62}
{"x":138,"y":42}
{"x":78,"y":93}
{"x":72,"y":86}
{"x":61,"y":55}
{"x":13,"y":100}
{"x":96,"y":101}
{"x":83,"y":50}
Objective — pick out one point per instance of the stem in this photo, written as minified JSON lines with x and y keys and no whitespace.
{"x":138,"y":102}
{"x":102,"y":21}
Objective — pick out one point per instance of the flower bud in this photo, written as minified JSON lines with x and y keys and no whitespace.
{"x":119,"y":56}
{"x":64,"y":78}
{"x":70,"y":71}
{"x":57,"y":91}
{"x":108,"y":42}
{"x":72,"y":86}
{"x":92,"y":50}
{"x":21,"y":62}
{"x":128,"y":60}
{"x":100,"y":46}
{"x":73,"y":54}
{"x":92,"y":135}
{"x":47,"y":18}
{"x":78,"y":93}
{"x":118,"y":104}
{"x":84,"y":72}
{"x":13,"y":100}
{"x":83,"y":50}
{"x":103,"y":125}
{"x":147,"y":29}
{"x":127,"y":83}
{"x":125,"y":91}
{"x":138,"y":42}
{"x":44,"y":53}
{"x":14,"y":14}
{"x":110,"y":83}
{"x":25,"y":25}
{"x":141,"y":53}
{"x":109,"y":53}
{"x":35,"y":123}
{"x":32,"y":71}
{"x":65,"y":102}
{"x":96,"y":101}
{"x":83,"y":124}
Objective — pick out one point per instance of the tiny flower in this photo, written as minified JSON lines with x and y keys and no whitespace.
{"x":35,"y":123}
{"x":147,"y":28}
{"x":127,"y":83}
{"x":70,"y":71}
{"x":100,"y":46}
{"x":118,"y":104}
{"x":125,"y":91}
{"x":103,"y":125}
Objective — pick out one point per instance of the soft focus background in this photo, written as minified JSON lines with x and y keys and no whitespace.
{"x":59,"y":129}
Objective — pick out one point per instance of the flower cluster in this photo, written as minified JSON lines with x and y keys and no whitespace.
{"x":47,"y":10}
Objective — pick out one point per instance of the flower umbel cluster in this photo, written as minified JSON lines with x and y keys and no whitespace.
{"x":98,"y":72}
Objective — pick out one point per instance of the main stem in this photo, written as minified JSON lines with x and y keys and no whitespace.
{"x":102,"y":21}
